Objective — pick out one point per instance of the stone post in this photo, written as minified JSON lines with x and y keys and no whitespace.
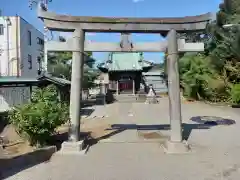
{"x":76,"y":85}
{"x":175,"y":144}
{"x":102,"y":94}
{"x":117,"y":89}
{"x":133,"y":87}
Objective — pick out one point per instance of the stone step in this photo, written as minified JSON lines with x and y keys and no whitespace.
{"x":126,"y":98}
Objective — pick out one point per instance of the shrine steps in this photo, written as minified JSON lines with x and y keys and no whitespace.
{"x":130,"y":98}
{"x":125,"y":98}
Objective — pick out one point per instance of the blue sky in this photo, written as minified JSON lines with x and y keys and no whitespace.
{"x":133,"y":8}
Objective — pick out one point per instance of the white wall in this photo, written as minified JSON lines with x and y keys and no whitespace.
{"x":35,"y":50}
{"x":3,"y":49}
{"x":19,"y":48}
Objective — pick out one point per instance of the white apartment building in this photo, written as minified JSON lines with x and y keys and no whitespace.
{"x":21,"y":48}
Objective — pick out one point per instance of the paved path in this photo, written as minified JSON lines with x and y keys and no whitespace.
{"x":214,"y":155}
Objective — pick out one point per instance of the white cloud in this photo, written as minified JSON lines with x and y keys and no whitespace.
{"x":90,"y":34}
{"x":136,"y":1}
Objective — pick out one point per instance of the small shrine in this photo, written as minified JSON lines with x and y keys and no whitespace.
{"x":125,"y":71}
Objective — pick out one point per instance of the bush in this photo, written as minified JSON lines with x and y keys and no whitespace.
{"x":38,"y":119}
{"x":195,"y":73}
{"x":235,"y":94}
{"x":200,"y":80}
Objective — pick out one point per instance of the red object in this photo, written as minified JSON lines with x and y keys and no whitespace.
{"x":126,"y":85}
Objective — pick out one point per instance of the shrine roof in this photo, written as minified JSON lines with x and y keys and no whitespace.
{"x":125,"y":62}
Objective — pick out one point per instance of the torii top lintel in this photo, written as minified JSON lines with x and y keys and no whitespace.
{"x":123,"y":24}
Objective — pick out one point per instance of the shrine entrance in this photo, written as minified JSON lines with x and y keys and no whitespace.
{"x":171,"y":28}
{"x":126,"y":84}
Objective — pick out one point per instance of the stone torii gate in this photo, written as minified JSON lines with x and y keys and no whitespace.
{"x":169,"y":27}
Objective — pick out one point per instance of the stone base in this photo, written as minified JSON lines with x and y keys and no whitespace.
{"x":69,"y":147}
{"x":176,"y":147}
{"x":100,"y":99}
{"x":151,"y":100}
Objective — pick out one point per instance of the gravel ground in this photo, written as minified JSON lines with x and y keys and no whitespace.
{"x":214,"y":152}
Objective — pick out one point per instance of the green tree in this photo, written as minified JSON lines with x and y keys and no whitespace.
{"x":60,"y":66}
{"x":224,"y":44}
{"x":212,"y":75}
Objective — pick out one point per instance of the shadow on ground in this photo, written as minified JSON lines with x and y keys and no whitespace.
{"x":119,"y":128}
{"x":12,"y":165}
{"x":90,"y":141}
{"x":210,"y":121}
{"x":187,"y":128}
{"x":88,"y":103}
{"x":236,"y":106}
{"x":86,"y":111}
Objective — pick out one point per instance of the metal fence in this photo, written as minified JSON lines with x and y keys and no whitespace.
{"x":12,"y":96}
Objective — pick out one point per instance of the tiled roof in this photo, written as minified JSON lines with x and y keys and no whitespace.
{"x":8,"y":80}
{"x":125,"y":62}
{"x":19,"y":80}
{"x":55,"y":80}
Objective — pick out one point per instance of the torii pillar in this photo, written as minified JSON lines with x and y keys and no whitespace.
{"x":75,"y":143}
{"x":175,"y":144}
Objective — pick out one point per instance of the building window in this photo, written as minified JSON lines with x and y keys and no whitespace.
{"x":29,"y":38}
{"x":29,"y":62}
{"x":39,"y":65}
{"x":40,"y":41}
{"x":1,"y":29}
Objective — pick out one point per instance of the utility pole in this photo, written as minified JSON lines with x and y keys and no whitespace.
{"x":44,"y":5}
{"x":45,"y":50}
